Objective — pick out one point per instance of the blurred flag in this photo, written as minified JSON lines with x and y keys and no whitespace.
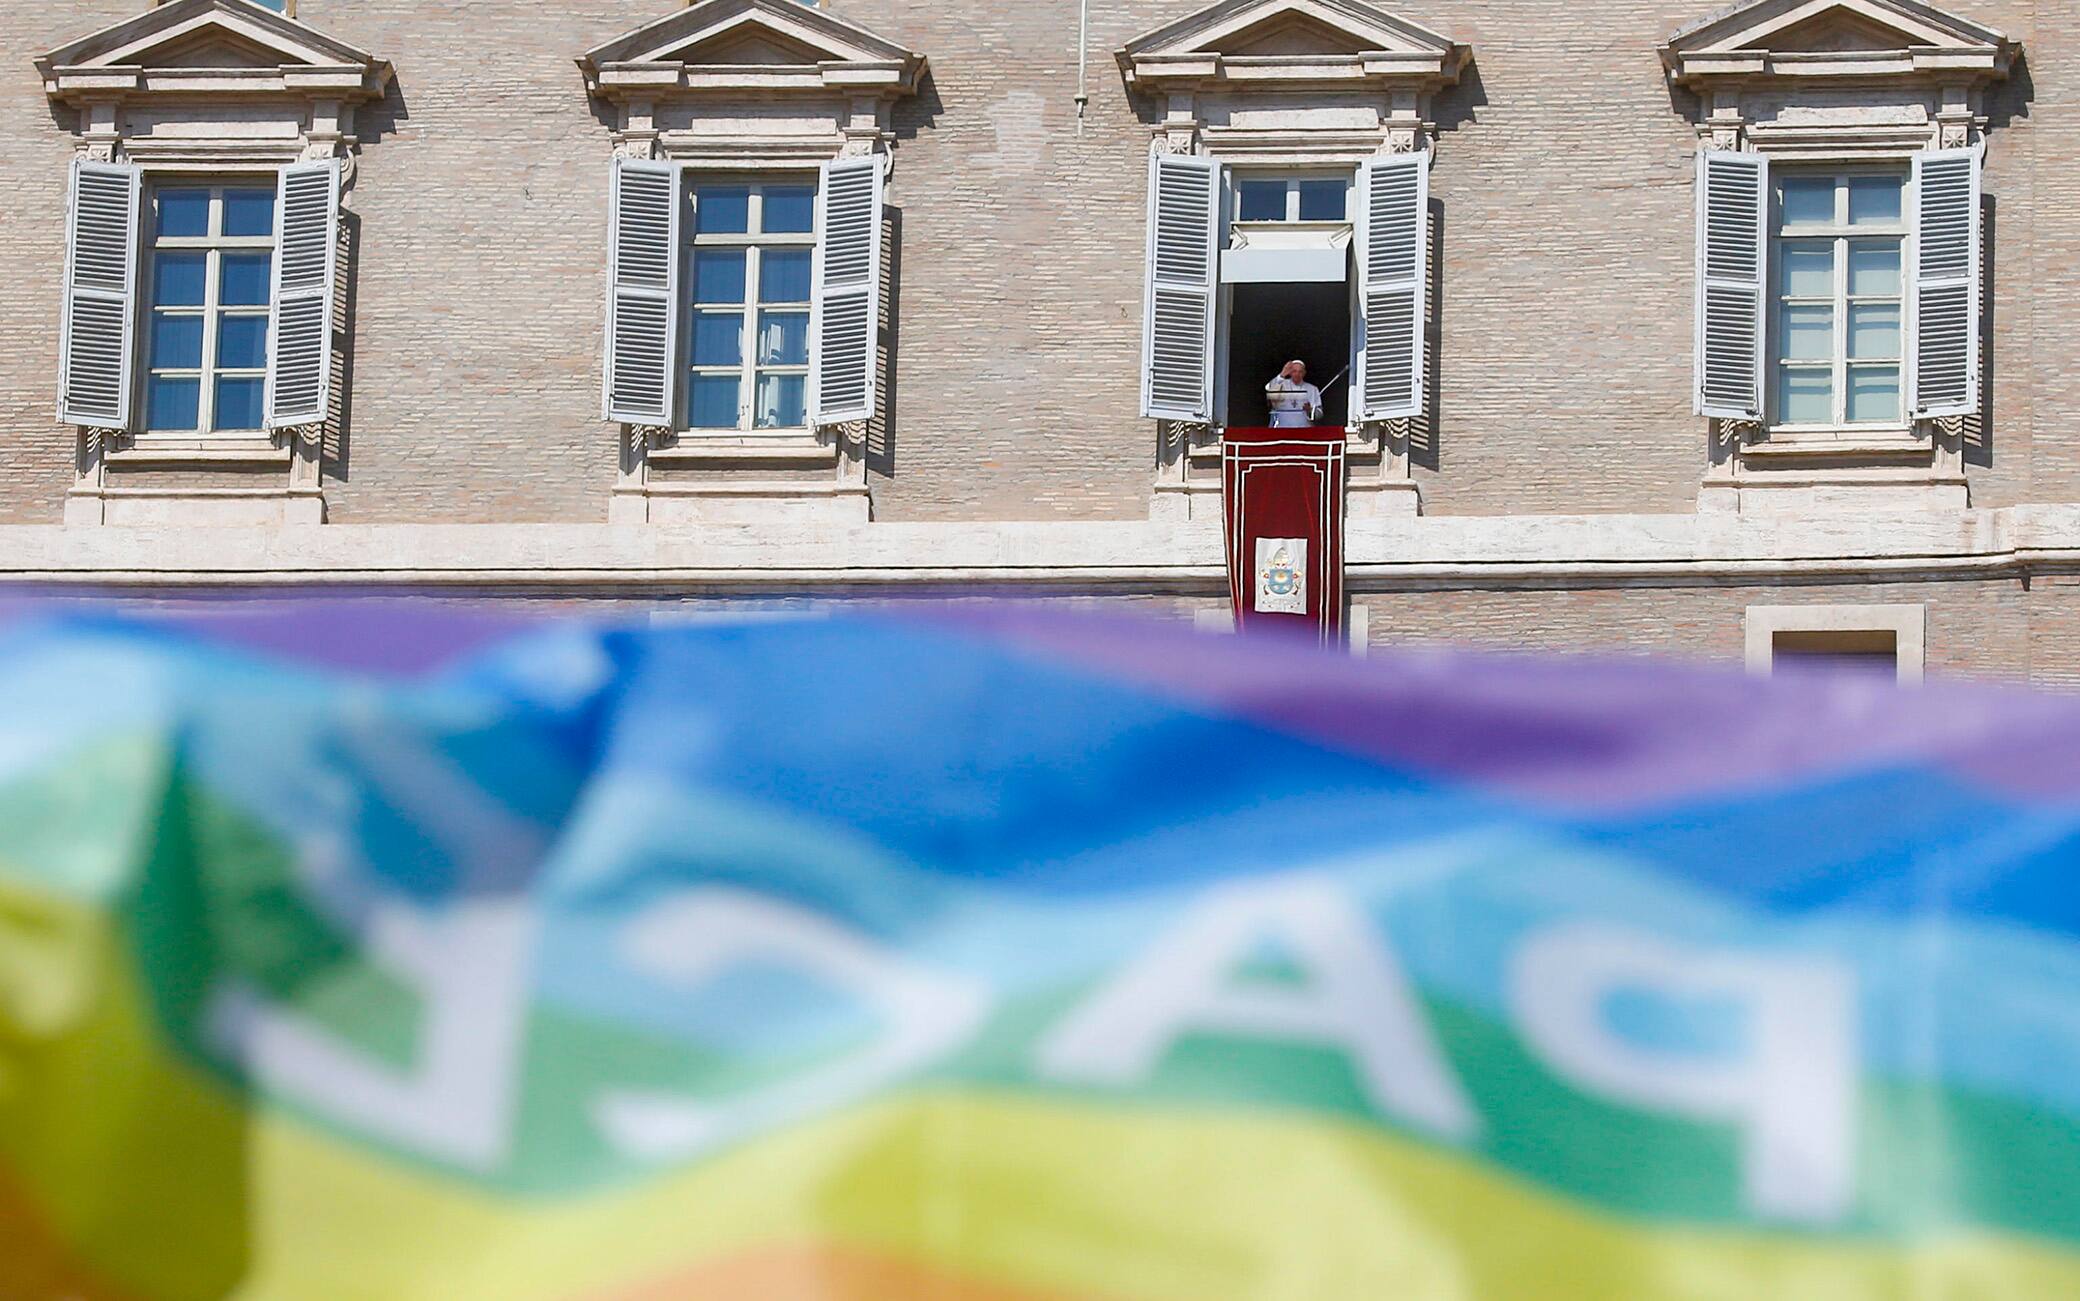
{"x":354,"y":951}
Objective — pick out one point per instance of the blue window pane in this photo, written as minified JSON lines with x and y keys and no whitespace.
{"x":176,"y":342}
{"x":783,"y":276}
{"x":249,"y":212}
{"x":783,"y":338}
{"x":242,"y":342}
{"x":718,"y":275}
{"x":1808,"y":200}
{"x":1805,"y":397}
{"x":178,"y":279}
{"x":1875,"y":200}
{"x":1874,"y":270}
{"x":722,"y":209}
{"x":1873,"y":393}
{"x":1808,"y":270}
{"x":238,"y":403}
{"x":245,"y":279}
{"x":713,"y":403}
{"x":172,"y":404}
{"x":1807,"y":332}
{"x":782,"y":401}
{"x":790,"y":209}
{"x":184,"y":212}
{"x":1261,"y":200}
{"x":718,"y":339}
{"x":1322,"y":201}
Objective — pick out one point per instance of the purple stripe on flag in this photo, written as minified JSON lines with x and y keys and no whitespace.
{"x":1609,"y":733}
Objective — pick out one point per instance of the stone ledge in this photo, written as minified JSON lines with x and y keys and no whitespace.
{"x":1182,"y":556}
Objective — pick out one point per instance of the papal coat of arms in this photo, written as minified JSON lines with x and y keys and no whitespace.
{"x":1281,"y":576}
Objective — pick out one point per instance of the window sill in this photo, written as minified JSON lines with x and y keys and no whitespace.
{"x":794,"y":445}
{"x":159,"y":449}
{"x":1847,"y":440}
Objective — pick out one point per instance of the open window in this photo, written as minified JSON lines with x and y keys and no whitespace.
{"x":1289,"y":217}
{"x":1288,"y":290}
{"x":1840,"y":262}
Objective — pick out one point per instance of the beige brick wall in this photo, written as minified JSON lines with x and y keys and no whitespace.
{"x":1564,"y":173}
{"x":2002,"y":629}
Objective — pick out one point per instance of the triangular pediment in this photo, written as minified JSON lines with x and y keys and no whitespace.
{"x":1288,"y":29}
{"x":1794,"y":28}
{"x":1290,"y":34}
{"x":1834,"y":32}
{"x":740,"y":33}
{"x":208,"y":34}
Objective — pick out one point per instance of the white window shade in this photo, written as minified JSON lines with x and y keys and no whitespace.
{"x":643,"y":307}
{"x":97,"y":331}
{"x":1394,"y":263}
{"x":846,"y":309}
{"x":1945,"y":283}
{"x":1732,"y":266}
{"x":1177,"y":325}
{"x":1288,"y":253}
{"x":306,"y":274}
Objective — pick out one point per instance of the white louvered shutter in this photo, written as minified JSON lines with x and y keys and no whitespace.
{"x":1732,"y":267}
{"x":97,"y":328}
{"x":1946,"y":283}
{"x":846,"y":323}
{"x":1394,"y":263}
{"x":306,"y":269}
{"x":1184,"y":210}
{"x":643,"y":293}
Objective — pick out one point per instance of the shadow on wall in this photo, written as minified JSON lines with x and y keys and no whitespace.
{"x":907,"y":120}
{"x":373,"y":123}
{"x":2006,"y":103}
{"x":1461,"y":104}
{"x":919,"y":112}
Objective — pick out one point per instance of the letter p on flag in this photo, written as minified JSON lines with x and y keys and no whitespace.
{"x":1790,"y":1089}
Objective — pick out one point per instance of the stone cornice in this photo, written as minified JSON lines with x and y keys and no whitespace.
{"x":285,"y":59}
{"x":1380,"y":50}
{"x":1898,"y":40}
{"x":816,"y":53}
{"x":1384,"y":554}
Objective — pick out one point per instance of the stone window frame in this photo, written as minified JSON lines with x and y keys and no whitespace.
{"x":753,"y":305}
{"x":1397,"y":65}
{"x":1871,"y":104}
{"x":121,"y":95}
{"x":658,"y":91}
{"x":215,"y":245}
{"x":1838,"y":431}
{"x":1907,"y":624}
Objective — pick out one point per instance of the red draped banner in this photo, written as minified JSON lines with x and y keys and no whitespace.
{"x":1282,"y":503}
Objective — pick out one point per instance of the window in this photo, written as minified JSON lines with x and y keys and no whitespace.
{"x":1839,"y":251}
{"x":753,"y":249}
{"x":1292,"y":198}
{"x":209,"y":286}
{"x":1341,"y":286}
{"x":1884,"y":639}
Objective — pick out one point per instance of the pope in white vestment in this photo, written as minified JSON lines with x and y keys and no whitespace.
{"x":1294,"y":403}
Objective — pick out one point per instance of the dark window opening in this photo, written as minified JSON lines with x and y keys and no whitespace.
{"x":1270,"y":325}
{"x":1869,"y":651}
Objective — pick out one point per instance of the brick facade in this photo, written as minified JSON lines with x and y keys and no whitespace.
{"x":1563,"y":179}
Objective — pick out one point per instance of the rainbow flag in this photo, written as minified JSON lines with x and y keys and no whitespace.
{"x":360,"y":951}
